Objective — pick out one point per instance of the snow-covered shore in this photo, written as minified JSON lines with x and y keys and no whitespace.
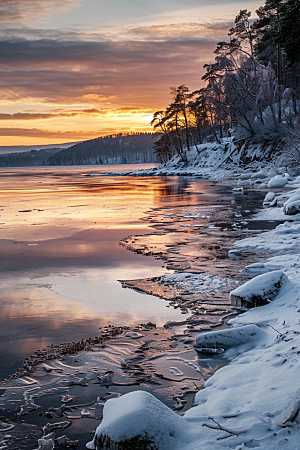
{"x":254,"y":401}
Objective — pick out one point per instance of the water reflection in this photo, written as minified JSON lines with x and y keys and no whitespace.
{"x":38,"y":206}
{"x":61,"y":259}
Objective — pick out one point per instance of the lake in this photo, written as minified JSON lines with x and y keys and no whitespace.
{"x":60,"y":255}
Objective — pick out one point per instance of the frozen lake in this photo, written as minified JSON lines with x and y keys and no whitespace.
{"x":60,"y":254}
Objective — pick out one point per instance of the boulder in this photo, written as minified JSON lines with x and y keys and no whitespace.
{"x":259,"y":291}
{"x":137,"y":420}
{"x":277,"y":182}
{"x":292,"y":205}
{"x":232,"y":337}
{"x":270,"y":199}
{"x":292,"y":208}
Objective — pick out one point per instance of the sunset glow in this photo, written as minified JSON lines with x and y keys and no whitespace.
{"x":75,"y":70}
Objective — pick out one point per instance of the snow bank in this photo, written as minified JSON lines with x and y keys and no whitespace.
{"x":260,"y":290}
{"x":285,"y":238}
{"x":232,"y":337}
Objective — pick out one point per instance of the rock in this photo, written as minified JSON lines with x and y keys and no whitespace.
{"x":238,"y":190}
{"x":232,"y":337}
{"x":260,"y":290}
{"x":292,"y":205}
{"x":133,"y":335}
{"x":277,"y":182}
{"x":292,"y":208}
{"x":288,"y":176}
{"x":65,"y":442}
{"x":137,"y":420}
{"x":46,"y":444}
{"x":269,"y":198}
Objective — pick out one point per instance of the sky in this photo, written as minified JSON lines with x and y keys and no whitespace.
{"x":72,"y":70}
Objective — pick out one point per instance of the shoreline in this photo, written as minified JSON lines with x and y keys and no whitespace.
{"x":259,"y":374}
{"x":186,"y":338}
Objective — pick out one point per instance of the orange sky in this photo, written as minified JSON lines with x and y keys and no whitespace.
{"x":73,"y":70}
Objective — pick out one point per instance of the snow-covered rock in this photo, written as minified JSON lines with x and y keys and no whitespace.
{"x":291,"y":199}
{"x":277,"y":182}
{"x":288,"y":176}
{"x":138,"y":415}
{"x":292,"y":205}
{"x":46,"y":444}
{"x":238,"y":190}
{"x":269,"y":197}
{"x":260,"y":290}
{"x":292,"y":208}
{"x":232,"y":337}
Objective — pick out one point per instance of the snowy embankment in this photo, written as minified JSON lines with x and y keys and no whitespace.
{"x":253,"y":402}
{"x":214,"y":161}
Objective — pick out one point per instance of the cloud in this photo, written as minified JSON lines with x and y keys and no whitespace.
{"x":52,"y":114}
{"x":174,"y":32}
{"x":107,"y":75}
{"x":25,"y":10}
{"x":49,"y":134}
{"x":74,"y":76}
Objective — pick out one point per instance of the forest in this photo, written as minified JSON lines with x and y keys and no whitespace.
{"x":120,"y":148}
{"x":251,"y":89}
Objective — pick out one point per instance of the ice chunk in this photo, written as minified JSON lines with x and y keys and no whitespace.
{"x":138,"y":416}
{"x":260,"y":290}
{"x":277,"y":182}
{"x":232,"y":337}
{"x":238,"y":190}
{"x":46,"y":444}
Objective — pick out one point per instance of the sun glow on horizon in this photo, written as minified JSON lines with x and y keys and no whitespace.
{"x":75,"y":76}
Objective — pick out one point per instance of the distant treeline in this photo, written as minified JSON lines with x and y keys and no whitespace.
{"x":114,"y":149}
{"x":121,"y":148}
{"x":26,"y":159}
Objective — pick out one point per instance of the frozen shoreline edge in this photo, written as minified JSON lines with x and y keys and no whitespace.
{"x":284,"y":431}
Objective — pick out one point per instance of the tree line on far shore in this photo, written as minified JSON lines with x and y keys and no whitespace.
{"x":252,"y":88}
{"x":119,"y":148}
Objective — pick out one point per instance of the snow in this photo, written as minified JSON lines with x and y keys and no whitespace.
{"x":260,"y":290}
{"x":270,"y":196}
{"x":277,"y":182}
{"x":254,"y":401}
{"x":285,"y":237}
{"x":292,"y":208}
{"x":233,"y":337}
{"x":139,"y":414}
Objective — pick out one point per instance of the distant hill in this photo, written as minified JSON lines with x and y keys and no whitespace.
{"x":114,"y":149}
{"x":27,"y":159}
{"x":5,"y":149}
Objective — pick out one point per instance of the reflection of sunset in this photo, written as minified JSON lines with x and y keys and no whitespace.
{"x":37,"y":207}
